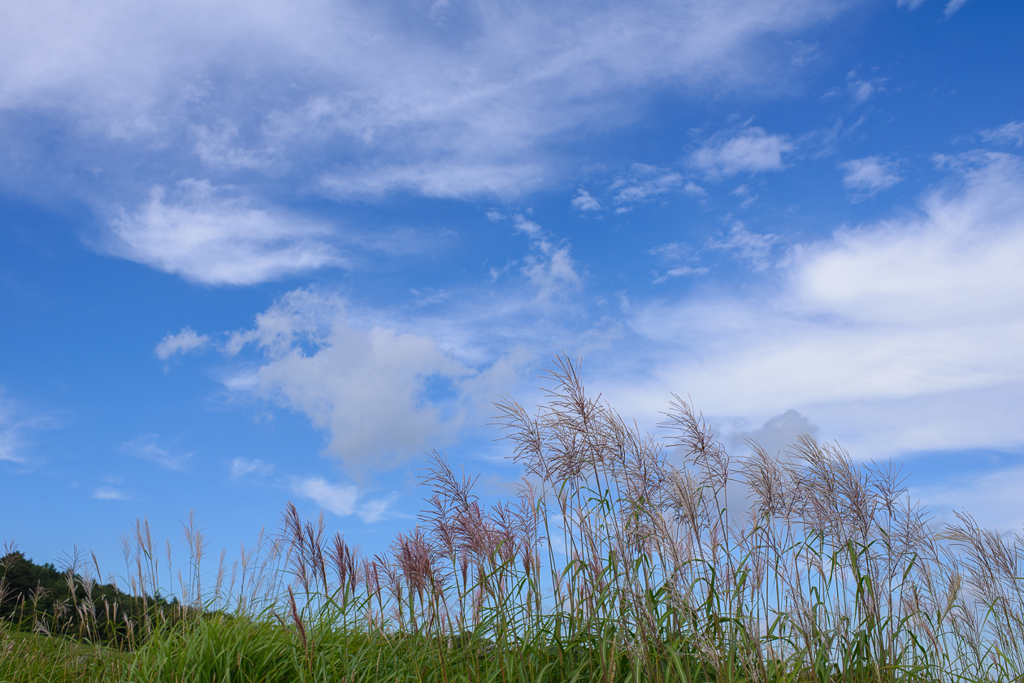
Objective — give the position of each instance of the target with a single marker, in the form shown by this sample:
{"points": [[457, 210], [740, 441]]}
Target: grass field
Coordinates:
{"points": [[615, 563]]}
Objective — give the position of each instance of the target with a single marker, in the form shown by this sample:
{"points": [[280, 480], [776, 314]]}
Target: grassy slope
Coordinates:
{"points": [[34, 658]]}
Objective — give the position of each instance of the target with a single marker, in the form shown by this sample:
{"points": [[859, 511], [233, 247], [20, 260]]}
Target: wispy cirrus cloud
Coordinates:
{"points": [[462, 104], [992, 498], [952, 6], [681, 260], [10, 431], [750, 246], [210, 236], [645, 181], [242, 467], [17, 422], [1011, 133], [147, 447]]}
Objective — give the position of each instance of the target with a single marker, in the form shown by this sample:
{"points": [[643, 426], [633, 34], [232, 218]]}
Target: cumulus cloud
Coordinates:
{"points": [[208, 236], [870, 174], [186, 341], [145, 447], [909, 326], [751, 150], [343, 500], [365, 385], [384, 386], [465, 106], [776, 434]]}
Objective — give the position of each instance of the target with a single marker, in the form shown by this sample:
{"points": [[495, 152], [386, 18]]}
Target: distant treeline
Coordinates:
{"points": [[42, 599]]}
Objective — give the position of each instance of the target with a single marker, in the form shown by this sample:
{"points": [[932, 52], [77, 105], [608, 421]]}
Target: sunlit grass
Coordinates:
{"points": [[35, 658], [618, 561]]}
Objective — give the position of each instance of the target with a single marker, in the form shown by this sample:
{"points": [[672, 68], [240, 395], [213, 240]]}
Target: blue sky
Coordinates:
{"points": [[253, 252]]}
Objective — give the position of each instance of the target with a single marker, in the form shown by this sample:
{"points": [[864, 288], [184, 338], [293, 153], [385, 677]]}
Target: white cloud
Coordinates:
{"points": [[861, 90], [343, 500], [108, 493], [1011, 133], [371, 511], [680, 271], [951, 7], [550, 268], [218, 149], [10, 437], [751, 150], [145, 447], [744, 192], [459, 180], [241, 467], [583, 201], [693, 189], [892, 336], [426, 299], [460, 107], [675, 252], [364, 385], [649, 181], [750, 246], [993, 499], [870, 174], [211, 238], [775, 435], [16, 422], [185, 341], [384, 386], [528, 227]]}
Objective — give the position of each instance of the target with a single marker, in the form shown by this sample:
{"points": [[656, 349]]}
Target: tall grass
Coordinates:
{"points": [[619, 560]]}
